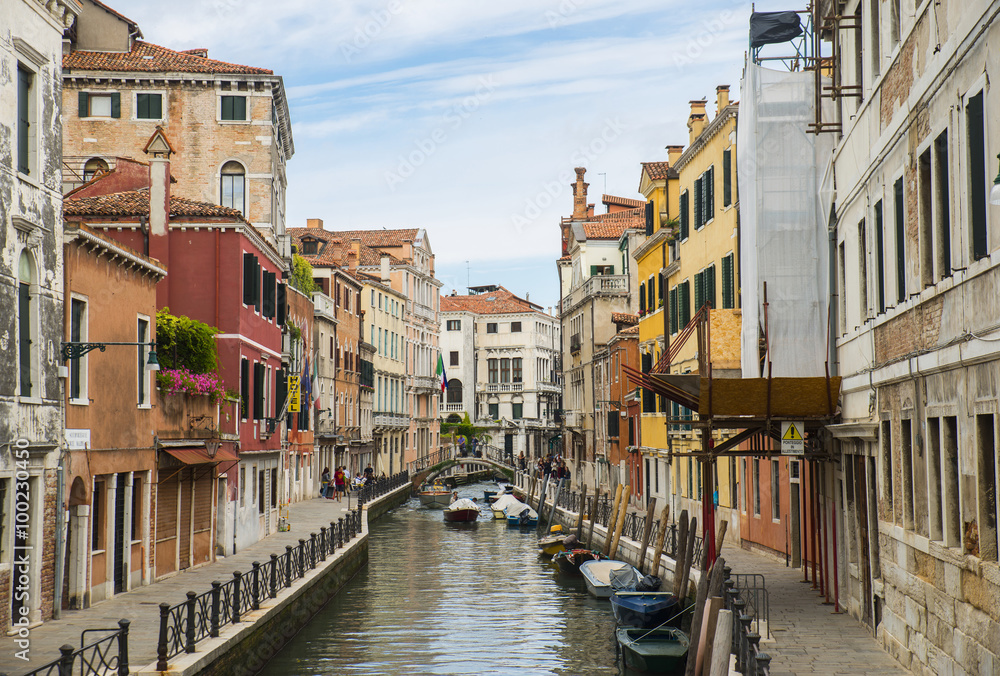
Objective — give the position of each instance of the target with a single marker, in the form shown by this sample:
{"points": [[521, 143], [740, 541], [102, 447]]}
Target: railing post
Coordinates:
{"points": [[123, 647], [237, 580], [274, 575], [322, 543], [66, 660], [763, 663], [161, 644], [189, 633], [312, 550], [289, 554], [333, 541], [216, 598], [340, 532], [302, 557], [255, 590]]}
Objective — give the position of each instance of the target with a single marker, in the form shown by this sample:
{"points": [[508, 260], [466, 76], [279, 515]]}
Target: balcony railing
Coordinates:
{"points": [[426, 382], [504, 387], [595, 285], [549, 387], [451, 408], [391, 420], [423, 311]]}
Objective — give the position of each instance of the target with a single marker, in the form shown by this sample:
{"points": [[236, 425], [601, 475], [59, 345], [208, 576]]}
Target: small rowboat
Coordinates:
{"points": [[657, 651], [522, 516], [646, 609], [599, 574], [462, 510], [569, 561]]}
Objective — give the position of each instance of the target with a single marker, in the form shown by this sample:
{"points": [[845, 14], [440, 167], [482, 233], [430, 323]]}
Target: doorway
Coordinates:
{"points": [[120, 535]]}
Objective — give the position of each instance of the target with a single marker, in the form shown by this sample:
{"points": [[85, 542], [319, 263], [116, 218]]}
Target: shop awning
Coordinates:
{"points": [[196, 452]]}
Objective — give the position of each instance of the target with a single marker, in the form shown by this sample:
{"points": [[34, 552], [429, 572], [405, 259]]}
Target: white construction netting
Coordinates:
{"points": [[784, 237]]}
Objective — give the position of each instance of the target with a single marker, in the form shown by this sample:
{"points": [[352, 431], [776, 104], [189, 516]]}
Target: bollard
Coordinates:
{"points": [[161, 644], [255, 588], [763, 663], [237, 578], [66, 660], [189, 634], [123, 647], [216, 598]]}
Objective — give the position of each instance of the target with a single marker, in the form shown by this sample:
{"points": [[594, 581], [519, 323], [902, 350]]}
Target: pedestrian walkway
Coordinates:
{"points": [[141, 605], [807, 636]]}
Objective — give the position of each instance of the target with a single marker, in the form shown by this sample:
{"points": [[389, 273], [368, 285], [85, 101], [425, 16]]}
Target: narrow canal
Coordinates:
{"points": [[440, 598]]}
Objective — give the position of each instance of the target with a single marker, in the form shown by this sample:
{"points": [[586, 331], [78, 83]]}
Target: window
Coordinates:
{"points": [[698, 203], [243, 481], [977, 174], [642, 298], [876, 48], [453, 357], [863, 270], [516, 411], [234, 108], [685, 209], [454, 391], [880, 256], [149, 106], [494, 411], [310, 247], [756, 487], [708, 196], [26, 137], [885, 439], [78, 366], [232, 186], [896, 20], [728, 283], [987, 485], [136, 532], [97, 517], [900, 241], [258, 391], [596, 270], [142, 375], [491, 328], [775, 490], [516, 369], [251, 280], [704, 287], [674, 313], [505, 370], [515, 327], [26, 323], [727, 177], [260, 489], [491, 365], [94, 167], [684, 302], [649, 218], [454, 325], [99, 105], [274, 487], [269, 288], [942, 207]]}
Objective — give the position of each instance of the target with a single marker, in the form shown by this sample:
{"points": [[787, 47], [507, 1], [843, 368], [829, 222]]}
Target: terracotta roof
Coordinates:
{"points": [[657, 170], [381, 237], [629, 331], [136, 203], [497, 302], [149, 58], [624, 318], [622, 201], [567, 257], [334, 252], [611, 226]]}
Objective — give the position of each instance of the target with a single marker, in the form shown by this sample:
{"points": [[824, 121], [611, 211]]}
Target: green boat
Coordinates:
{"points": [[655, 651]]}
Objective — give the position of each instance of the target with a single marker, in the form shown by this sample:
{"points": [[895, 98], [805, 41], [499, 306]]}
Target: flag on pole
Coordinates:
{"points": [[312, 385], [440, 372], [306, 391]]}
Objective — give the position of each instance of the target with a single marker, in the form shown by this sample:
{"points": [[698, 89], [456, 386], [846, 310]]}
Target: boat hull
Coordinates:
{"points": [[655, 651], [458, 515], [515, 522], [596, 575], [569, 561], [646, 609]]}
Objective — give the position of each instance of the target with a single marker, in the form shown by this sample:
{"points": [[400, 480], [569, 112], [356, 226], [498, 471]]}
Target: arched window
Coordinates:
{"points": [[25, 322], [93, 167], [454, 391], [233, 185]]}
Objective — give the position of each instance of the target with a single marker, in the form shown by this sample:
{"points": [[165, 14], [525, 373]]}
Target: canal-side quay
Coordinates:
{"points": [[239, 647]]}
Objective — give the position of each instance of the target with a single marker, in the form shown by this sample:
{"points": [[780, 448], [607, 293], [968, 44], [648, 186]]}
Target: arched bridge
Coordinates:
{"points": [[427, 468]]}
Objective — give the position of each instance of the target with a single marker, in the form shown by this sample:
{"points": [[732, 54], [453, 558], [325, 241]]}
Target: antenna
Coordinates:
{"points": [[468, 285]]}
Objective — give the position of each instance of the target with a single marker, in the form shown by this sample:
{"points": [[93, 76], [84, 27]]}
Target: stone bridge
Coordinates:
{"points": [[427, 469]]}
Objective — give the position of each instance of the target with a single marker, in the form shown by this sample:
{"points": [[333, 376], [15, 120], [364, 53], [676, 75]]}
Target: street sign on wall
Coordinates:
{"points": [[792, 439]]}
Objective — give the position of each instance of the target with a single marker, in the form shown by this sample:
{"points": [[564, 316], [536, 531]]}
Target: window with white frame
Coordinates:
{"points": [[142, 337], [78, 334]]}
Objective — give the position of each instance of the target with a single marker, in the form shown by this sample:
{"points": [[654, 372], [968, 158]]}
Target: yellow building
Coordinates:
{"points": [[694, 245]]}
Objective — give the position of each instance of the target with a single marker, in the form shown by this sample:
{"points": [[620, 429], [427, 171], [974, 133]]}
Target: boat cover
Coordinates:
{"points": [[504, 501], [519, 509], [625, 577], [462, 503]]}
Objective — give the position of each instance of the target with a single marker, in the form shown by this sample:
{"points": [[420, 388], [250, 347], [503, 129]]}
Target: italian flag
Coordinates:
{"points": [[440, 372]]}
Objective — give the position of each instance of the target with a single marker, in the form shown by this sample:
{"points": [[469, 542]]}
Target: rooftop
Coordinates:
{"points": [[146, 57], [135, 203], [497, 302]]}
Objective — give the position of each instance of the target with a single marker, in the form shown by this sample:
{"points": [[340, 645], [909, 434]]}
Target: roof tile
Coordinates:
{"points": [[136, 203], [497, 302], [146, 57]]}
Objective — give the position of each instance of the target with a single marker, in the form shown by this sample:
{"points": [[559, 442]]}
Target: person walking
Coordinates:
{"points": [[521, 462], [339, 483], [324, 483]]}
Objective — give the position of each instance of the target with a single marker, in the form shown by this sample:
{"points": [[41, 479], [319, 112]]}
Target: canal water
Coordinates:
{"points": [[439, 598]]}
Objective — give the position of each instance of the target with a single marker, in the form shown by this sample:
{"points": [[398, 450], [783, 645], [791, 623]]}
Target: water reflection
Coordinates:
{"points": [[462, 598]]}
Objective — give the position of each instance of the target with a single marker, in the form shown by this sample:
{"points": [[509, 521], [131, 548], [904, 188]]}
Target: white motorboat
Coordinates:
{"points": [[605, 577]]}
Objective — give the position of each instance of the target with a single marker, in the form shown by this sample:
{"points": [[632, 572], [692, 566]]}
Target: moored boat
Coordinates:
{"points": [[599, 576], [646, 609], [521, 515], [436, 497], [656, 651], [570, 560], [553, 543], [462, 509], [500, 505]]}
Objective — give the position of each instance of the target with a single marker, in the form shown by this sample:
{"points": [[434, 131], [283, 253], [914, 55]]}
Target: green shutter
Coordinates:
{"points": [[142, 106], [727, 183], [593, 270], [699, 291], [239, 108], [684, 301], [708, 281], [710, 194], [116, 104], [673, 310], [697, 204], [727, 282], [23, 120], [685, 214], [83, 109], [642, 297], [155, 106], [227, 107]]}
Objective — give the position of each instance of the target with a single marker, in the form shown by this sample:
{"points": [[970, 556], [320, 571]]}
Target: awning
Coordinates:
{"points": [[196, 453]]}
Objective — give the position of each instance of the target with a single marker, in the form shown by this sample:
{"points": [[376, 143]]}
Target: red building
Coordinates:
{"points": [[207, 248]]}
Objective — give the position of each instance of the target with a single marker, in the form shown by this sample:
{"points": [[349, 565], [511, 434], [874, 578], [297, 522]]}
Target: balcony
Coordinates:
{"points": [[451, 408], [424, 312], [185, 416], [554, 388], [426, 382], [495, 388], [385, 421], [596, 285], [574, 343]]}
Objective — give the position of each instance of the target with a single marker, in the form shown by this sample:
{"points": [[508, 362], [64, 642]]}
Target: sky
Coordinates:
{"points": [[467, 118]]}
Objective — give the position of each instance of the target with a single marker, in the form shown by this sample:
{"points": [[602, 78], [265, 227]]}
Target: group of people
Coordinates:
{"points": [[335, 487], [553, 465]]}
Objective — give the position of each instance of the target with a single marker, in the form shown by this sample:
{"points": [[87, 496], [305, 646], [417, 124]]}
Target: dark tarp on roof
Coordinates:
{"points": [[768, 28]]}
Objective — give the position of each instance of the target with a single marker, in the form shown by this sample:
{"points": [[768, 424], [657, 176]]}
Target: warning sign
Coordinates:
{"points": [[293, 394], [792, 442]]}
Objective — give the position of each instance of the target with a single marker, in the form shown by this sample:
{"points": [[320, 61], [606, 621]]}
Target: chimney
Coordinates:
{"points": [[590, 210], [385, 269], [354, 254], [673, 153], [159, 150], [316, 223], [696, 121], [580, 195], [721, 98]]}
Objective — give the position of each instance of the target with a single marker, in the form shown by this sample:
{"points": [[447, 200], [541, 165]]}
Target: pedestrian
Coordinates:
{"points": [[369, 472], [324, 482], [548, 465], [339, 483], [521, 462]]}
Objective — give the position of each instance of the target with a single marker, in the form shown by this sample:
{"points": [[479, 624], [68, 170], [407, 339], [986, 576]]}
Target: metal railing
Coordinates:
{"points": [[746, 596], [107, 655]]}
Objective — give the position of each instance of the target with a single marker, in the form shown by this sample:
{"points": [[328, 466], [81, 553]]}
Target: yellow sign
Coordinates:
{"points": [[293, 394], [792, 442], [792, 433]]}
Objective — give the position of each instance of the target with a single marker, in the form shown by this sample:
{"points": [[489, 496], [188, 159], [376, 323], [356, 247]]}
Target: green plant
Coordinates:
{"points": [[463, 429], [182, 381], [302, 275], [295, 331], [185, 343]]}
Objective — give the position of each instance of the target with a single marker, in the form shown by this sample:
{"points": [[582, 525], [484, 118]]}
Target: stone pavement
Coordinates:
{"points": [[807, 637], [140, 605]]}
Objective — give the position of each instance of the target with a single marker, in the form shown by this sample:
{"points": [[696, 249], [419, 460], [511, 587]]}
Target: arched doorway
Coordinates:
{"points": [[75, 594]]}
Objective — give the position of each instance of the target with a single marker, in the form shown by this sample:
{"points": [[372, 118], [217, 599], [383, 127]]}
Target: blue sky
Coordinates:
{"points": [[467, 118]]}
